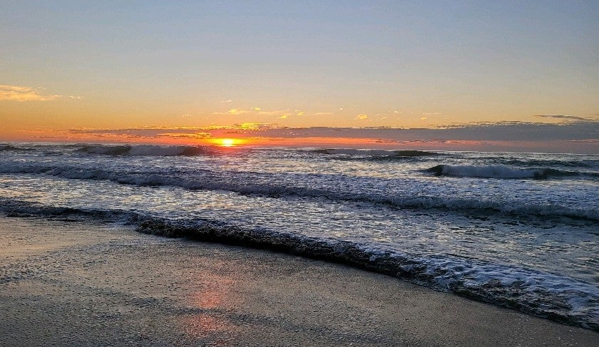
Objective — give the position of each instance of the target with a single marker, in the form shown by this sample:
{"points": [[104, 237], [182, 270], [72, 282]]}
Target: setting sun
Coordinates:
{"points": [[227, 142]]}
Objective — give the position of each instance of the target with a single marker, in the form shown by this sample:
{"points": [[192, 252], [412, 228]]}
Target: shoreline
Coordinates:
{"points": [[91, 284]]}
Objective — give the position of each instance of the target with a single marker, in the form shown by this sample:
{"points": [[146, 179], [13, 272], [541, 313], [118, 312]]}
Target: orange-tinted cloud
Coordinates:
{"points": [[22, 93], [273, 113]]}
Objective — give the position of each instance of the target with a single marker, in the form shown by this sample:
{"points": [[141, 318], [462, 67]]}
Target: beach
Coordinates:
{"points": [[66, 282]]}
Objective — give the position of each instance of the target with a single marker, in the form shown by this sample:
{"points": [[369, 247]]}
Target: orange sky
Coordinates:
{"points": [[109, 66]]}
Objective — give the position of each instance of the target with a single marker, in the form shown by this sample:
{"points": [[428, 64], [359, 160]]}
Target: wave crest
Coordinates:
{"points": [[492, 171], [256, 185], [373, 154], [145, 150]]}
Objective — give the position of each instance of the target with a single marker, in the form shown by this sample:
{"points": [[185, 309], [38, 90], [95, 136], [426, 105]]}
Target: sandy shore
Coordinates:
{"points": [[74, 284]]}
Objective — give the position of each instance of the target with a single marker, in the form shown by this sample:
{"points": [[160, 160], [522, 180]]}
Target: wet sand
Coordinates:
{"points": [[74, 284]]}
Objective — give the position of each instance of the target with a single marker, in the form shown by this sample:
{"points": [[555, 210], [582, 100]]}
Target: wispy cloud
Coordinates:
{"points": [[255, 111], [21, 94], [233, 111], [273, 113], [324, 113], [236, 111], [564, 117], [198, 135], [361, 116]]}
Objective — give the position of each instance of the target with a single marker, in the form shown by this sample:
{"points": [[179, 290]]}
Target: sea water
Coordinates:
{"points": [[518, 230]]}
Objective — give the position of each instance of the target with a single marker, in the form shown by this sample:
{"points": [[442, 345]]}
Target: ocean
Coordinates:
{"points": [[518, 230]]}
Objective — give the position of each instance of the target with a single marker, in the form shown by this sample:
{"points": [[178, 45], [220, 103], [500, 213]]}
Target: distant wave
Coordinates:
{"points": [[5, 147], [258, 184], [145, 150], [541, 294], [577, 163], [503, 172], [373, 153]]}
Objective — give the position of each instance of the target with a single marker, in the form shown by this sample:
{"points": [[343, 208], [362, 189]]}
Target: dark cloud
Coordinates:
{"points": [[585, 133]]}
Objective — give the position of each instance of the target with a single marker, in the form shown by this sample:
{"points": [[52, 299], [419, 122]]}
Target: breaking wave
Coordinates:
{"points": [[146, 150], [534, 292], [257, 184], [505, 172]]}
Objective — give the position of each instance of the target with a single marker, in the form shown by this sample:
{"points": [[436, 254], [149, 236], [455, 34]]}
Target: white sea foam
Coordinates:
{"points": [[318, 186]]}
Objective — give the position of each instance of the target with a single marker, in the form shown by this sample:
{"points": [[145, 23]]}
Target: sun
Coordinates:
{"points": [[227, 142]]}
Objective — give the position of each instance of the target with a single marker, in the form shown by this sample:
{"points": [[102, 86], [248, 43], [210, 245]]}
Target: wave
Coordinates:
{"points": [[533, 292], [492, 171], [145, 150], [505, 172], [564, 163], [374, 153], [258, 184], [5, 147]]}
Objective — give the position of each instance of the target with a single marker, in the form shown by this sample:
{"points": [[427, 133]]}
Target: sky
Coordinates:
{"points": [[70, 70]]}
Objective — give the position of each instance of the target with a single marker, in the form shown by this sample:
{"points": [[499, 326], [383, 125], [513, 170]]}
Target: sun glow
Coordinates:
{"points": [[227, 142]]}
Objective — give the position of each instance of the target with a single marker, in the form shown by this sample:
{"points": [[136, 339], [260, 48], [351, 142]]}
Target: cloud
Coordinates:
{"points": [[236, 111], [273, 113], [254, 110], [21, 94], [255, 126], [285, 116], [431, 114], [361, 116], [324, 113], [299, 113], [233, 111], [563, 117], [228, 101], [198, 135]]}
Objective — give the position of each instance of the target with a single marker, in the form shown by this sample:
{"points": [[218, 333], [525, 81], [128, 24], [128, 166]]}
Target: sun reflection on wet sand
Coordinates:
{"points": [[214, 301]]}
